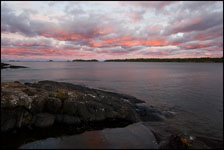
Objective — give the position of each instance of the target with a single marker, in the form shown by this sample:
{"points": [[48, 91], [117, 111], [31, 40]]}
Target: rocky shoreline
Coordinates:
{"points": [[44, 103], [5, 66], [32, 111]]}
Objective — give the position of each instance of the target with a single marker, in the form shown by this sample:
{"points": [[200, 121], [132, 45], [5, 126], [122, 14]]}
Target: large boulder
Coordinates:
{"points": [[39, 102], [70, 106], [53, 105]]}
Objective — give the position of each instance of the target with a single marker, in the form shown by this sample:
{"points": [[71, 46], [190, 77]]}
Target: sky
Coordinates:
{"points": [[67, 30]]}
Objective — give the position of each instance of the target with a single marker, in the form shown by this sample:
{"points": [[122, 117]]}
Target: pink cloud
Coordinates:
{"points": [[147, 27]]}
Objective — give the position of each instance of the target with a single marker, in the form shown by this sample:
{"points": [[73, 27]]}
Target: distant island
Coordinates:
{"points": [[203, 59], [14, 60], [50, 60], [81, 60]]}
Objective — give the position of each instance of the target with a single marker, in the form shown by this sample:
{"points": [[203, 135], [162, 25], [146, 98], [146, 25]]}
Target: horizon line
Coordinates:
{"points": [[12, 60]]}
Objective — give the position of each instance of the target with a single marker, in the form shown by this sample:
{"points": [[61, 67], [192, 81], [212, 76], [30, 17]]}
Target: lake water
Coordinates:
{"points": [[134, 136], [193, 90]]}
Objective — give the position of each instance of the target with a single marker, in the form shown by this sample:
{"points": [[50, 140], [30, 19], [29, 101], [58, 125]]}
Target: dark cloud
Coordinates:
{"points": [[149, 4], [10, 22], [197, 24]]}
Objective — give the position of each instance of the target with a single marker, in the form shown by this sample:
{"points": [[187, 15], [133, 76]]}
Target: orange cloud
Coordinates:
{"points": [[127, 41], [208, 54], [104, 31], [155, 43], [94, 44], [63, 36]]}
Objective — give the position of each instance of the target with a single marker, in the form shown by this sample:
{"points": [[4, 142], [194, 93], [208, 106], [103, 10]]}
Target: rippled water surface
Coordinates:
{"points": [[193, 90]]}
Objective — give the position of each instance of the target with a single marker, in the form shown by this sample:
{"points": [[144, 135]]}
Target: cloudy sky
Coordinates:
{"points": [[111, 30]]}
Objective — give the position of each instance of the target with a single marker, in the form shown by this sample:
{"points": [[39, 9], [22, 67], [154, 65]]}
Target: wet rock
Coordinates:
{"points": [[168, 114], [148, 113], [44, 120], [175, 142]]}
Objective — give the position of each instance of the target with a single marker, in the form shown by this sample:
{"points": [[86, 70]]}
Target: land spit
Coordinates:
{"points": [[5, 66]]}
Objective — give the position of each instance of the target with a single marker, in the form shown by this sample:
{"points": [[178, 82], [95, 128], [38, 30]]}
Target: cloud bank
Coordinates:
{"points": [[111, 30]]}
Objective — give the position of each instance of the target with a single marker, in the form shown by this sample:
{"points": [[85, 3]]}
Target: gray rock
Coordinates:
{"points": [[39, 103], [53, 105], [44, 120], [84, 113], [70, 106], [50, 102]]}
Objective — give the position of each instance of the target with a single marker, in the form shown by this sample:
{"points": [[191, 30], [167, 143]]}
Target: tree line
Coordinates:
{"points": [[203, 59]]}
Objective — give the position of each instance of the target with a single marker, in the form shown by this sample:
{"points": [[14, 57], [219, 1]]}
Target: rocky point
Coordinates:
{"points": [[45, 103]]}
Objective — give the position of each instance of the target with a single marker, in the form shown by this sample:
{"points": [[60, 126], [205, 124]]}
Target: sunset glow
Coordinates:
{"points": [[111, 30]]}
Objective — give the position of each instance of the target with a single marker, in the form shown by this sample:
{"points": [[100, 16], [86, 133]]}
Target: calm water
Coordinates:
{"points": [[193, 90], [134, 136]]}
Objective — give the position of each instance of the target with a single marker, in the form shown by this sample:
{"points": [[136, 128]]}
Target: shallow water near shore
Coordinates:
{"points": [[192, 90], [132, 136]]}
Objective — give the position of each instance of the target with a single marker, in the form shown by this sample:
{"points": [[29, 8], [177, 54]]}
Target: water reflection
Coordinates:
{"points": [[130, 137]]}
